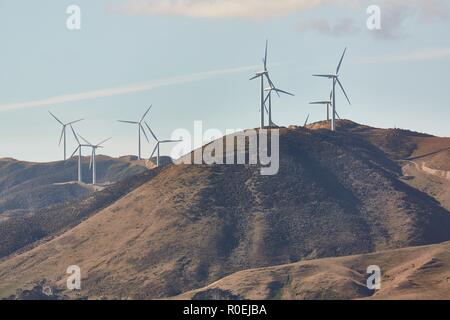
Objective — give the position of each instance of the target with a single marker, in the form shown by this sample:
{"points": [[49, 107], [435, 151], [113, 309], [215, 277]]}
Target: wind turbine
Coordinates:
{"points": [[92, 164], [261, 74], [159, 142], [328, 103], [335, 78], [140, 128], [63, 131], [269, 91], [80, 145]]}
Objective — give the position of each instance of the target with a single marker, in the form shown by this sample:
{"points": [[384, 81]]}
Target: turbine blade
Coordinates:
{"points": [[154, 150], [329, 76], [256, 76], [92, 158], [99, 144], [56, 118], [90, 144], [62, 133], [282, 91], [340, 62], [265, 56], [148, 127], [75, 135], [132, 122], [75, 152], [337, 115], [170, 141], [306, 122], [75, 121], [340, 85], [272, 86], [143, 131], [267, 98], [320, 102], [143, 117]]}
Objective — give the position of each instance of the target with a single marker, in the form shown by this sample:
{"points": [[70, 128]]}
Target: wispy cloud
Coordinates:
{"points": [[344, 27], [169, 81], [396, 14], [412, 56], [255, 9], [426, 10]]}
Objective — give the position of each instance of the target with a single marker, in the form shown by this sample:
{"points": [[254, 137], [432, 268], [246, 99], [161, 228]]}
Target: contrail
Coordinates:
{"points": [[163, 82]]}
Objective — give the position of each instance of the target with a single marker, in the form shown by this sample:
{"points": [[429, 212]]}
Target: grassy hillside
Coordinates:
{"points": [[26, 186], [336, 194], [410, 273]]}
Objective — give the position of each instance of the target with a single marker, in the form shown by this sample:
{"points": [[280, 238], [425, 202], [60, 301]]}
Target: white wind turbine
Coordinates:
{"points": [[92, 164], [335, 78], [328, 103], [63, 131], [269, 91], [140, 129], [261, 74], [159, 142], [80, 145]]}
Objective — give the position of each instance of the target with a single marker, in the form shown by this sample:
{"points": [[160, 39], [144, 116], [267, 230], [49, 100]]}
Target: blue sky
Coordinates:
{"points": [[192, 60]]}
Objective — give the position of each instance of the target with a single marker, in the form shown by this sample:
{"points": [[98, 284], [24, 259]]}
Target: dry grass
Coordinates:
{"points": [[336, 194], [410, 273]]}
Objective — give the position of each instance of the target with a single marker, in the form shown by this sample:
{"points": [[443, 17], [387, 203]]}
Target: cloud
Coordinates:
{"points": [[412, 56], [344, 27], [396, 14], [426, 10], [256, 9], [169, 81]]}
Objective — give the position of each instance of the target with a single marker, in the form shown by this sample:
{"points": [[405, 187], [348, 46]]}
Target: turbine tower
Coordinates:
{"points": [[269, 91], [335, 78], [159, 142], [262, 74], [80, 145], [92, 164], [63, 131], [140, 129]]}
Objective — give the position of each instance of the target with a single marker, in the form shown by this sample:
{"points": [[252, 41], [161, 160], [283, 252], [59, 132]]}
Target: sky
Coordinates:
{"points": [[192, 60]]}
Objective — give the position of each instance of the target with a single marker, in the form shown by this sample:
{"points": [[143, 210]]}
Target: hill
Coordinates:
{"points": [[336, 194], [409, 273], [21, 232], [26, 186]]}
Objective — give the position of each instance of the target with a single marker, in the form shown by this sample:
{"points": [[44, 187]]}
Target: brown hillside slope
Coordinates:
{"points": [[26, 186], [336, 194], [410, 273], [425, 159]]}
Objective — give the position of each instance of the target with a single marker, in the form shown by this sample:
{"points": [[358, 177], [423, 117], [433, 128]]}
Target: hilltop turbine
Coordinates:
{"points": [[328, 103], [159, 142], [269, 91], [63, 131], [80, 145], [335, 78], [92, 164], [140, 129], [262, 74]]}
